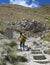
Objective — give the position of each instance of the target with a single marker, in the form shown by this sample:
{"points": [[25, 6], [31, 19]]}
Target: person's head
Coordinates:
{"points": [[20, 33]]}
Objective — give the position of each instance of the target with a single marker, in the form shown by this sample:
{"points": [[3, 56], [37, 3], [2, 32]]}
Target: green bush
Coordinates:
{"points": [[11, 56], [47, 51], [12, 43], [4, 62], [10, 51]]}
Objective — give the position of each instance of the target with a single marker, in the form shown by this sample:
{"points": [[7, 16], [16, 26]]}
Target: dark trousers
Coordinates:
{"points": [[22, 44]]}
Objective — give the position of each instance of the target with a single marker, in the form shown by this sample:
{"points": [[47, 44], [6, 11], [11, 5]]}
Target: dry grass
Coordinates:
{"points": [[11, 12], [46, 36]]}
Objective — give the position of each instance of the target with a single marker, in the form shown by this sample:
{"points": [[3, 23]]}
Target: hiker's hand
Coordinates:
{"points": [[18, 39]]}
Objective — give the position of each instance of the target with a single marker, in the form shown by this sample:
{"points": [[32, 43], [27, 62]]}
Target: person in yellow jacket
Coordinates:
{"points": [[22, 39]]}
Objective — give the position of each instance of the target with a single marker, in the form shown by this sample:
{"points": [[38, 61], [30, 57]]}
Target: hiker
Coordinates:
{"points": [[22, 39]]}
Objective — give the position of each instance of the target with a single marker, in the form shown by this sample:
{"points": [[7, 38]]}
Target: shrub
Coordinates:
{"points": [[4, 62], [12, 56], [21, 59], [47, 51], [12, 43]]}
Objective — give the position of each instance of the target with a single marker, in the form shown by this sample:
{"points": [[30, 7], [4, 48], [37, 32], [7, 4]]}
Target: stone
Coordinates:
{"points": [[34, 26], [9, 33]]}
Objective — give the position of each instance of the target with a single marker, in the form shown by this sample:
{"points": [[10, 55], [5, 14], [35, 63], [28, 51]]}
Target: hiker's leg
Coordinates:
{"points": [[21, 45]]}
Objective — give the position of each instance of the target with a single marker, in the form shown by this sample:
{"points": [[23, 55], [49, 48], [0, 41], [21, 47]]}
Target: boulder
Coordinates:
{"points": [[32, 26]]}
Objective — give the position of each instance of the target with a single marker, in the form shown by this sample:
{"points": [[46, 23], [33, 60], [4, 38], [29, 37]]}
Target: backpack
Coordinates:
{"points": [[23, 37]]}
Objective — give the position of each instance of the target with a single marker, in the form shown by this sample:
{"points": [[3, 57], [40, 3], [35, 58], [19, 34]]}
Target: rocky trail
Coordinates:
{"points": [[35, 55]]}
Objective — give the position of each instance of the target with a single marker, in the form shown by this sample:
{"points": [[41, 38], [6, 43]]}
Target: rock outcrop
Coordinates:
{"points": [[31, 26]]}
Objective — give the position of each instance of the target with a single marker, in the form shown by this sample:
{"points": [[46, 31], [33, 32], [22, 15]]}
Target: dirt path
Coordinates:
{"points": [[36, 51]]}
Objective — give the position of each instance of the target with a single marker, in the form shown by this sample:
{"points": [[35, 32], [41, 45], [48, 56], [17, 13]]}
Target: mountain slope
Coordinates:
{"points": [[9, 12]]}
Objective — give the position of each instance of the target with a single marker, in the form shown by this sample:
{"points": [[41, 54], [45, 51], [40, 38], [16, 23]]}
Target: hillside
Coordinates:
{"points": [[34, 23], [11, 12]]}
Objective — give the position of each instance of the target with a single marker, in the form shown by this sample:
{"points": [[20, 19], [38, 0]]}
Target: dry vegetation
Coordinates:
{"points": [[11, 12], [46, 36], [9, 54]]}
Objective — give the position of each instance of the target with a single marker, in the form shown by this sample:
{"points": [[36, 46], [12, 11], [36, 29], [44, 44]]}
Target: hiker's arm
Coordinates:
{"points": [[18, 38], [25, 36]]}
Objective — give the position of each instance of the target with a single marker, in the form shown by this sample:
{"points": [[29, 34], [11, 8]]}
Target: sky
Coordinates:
{"points": [[27, 3]]}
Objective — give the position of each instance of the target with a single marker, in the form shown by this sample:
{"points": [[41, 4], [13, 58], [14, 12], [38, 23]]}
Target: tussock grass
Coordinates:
{"points": [[46, 36]]}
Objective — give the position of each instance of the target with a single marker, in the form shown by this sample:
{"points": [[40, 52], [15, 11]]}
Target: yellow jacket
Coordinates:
{"points": [[22, 37]]}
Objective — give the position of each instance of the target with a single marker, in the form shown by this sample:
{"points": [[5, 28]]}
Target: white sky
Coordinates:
{"points": [[23, 2]]}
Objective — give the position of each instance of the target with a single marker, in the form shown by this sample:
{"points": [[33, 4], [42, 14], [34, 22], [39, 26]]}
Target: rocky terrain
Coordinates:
{"points": [[10, 12], [35, 23], [37, 51], [26, 25]]}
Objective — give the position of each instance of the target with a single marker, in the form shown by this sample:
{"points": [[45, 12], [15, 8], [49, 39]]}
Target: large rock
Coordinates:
{"points": [[25, 25], [30, 25]]}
